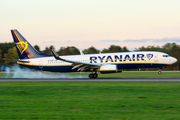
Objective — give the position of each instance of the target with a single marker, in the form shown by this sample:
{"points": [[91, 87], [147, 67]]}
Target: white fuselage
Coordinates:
{"points": [[123, 60]]}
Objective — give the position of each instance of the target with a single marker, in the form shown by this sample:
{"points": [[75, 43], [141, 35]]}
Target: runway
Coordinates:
{"points": [[91, 80]]}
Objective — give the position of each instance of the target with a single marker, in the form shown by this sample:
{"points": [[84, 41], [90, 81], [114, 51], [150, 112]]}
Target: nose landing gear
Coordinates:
{"points": [[93, 75], [159, 72]]}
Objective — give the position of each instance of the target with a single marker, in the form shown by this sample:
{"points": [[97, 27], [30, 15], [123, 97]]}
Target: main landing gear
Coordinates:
{"points": [[93, 75]]}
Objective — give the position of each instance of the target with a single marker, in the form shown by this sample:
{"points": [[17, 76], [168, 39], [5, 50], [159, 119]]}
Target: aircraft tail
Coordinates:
{"points": [[24, 48]]}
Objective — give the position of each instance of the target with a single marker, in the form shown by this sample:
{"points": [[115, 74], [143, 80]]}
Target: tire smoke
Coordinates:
{"points": [[17, 72]]}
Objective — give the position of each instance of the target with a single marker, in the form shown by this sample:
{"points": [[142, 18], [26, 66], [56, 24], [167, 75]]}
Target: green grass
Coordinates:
{"points": [[141, 74], [124, 74], [93, 101]]}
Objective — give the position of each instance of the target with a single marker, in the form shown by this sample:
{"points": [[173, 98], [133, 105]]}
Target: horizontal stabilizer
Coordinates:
{"points": [[24, 61], [10, 59]]}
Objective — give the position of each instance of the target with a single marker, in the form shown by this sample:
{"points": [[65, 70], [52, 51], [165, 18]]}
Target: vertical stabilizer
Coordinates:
{"points": [[24, 48]]}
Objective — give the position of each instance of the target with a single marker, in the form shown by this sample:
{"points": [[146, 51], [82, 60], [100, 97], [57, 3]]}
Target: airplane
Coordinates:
{"points": [[93, 63]]}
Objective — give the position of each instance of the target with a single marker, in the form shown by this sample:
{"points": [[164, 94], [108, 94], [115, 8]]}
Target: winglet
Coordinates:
{"points": [[56, 56], [81, 52]]}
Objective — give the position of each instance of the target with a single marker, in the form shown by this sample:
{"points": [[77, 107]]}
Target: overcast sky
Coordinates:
{"points": [[85, 23]]}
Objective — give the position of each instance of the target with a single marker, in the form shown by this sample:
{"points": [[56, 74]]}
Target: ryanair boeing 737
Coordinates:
{"points": [[103, 63]]}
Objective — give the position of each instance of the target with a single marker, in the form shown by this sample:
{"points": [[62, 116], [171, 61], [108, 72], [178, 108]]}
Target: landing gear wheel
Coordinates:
{"points": [[159, 72], [91, 76], [95, 75]]}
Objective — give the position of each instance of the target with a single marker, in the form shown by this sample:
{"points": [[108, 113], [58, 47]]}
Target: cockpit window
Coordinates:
{"points": [[165, 55]]}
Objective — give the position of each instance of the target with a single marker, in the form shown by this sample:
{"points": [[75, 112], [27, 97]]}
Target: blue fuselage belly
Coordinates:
{"points": [[135, 66]]}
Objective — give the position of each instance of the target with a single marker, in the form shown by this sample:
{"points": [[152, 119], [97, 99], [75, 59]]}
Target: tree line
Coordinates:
{"points": [[8, 50]]}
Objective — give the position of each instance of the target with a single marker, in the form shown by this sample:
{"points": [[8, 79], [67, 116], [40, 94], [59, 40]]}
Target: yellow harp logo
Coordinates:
{"points": [[22, 46]]}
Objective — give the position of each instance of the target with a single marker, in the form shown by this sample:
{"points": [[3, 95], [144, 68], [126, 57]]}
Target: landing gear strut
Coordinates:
{"points": [[93, 75], [159, 72]]}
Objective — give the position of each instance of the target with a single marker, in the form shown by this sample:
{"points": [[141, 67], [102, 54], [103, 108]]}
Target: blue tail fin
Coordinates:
{"points": [[24, 48]]}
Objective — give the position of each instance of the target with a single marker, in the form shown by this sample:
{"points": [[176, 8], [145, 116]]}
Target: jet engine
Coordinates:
{"points": [[108, 69]]}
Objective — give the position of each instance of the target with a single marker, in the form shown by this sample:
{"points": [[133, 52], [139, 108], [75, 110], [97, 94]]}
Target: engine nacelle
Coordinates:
{"points": [[108, 69]]}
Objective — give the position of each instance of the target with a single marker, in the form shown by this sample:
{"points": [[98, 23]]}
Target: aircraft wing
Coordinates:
{"points": [[81, 65]]}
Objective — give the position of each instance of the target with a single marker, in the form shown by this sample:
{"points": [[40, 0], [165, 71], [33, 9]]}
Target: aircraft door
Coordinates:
{"points": [[41, 64]]}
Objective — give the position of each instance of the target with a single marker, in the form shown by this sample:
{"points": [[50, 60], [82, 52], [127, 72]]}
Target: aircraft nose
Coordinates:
{"points": [[173, 60]]}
